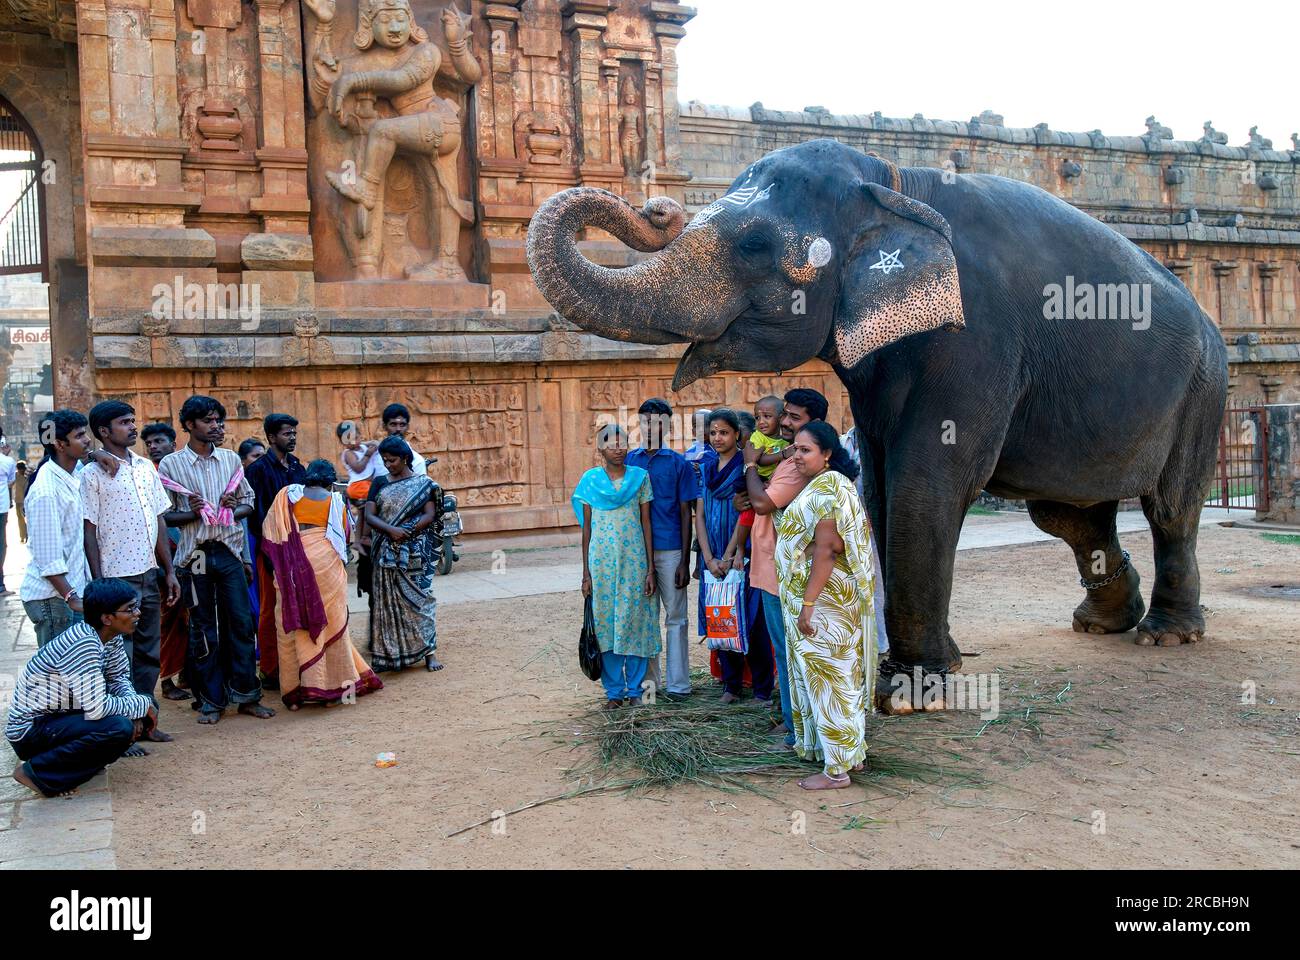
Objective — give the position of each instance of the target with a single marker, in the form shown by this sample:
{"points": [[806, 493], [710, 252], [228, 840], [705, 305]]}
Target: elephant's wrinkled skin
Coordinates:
{"points": [[1071, 415]]}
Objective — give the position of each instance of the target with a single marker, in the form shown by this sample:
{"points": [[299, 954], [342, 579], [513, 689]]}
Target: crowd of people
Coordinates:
{"points": [[771, 496], [221, 573]]}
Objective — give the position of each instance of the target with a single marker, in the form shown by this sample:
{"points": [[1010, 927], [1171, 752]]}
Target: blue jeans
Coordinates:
{"points": [[775, 619], [64, 750], [50, 617], [622, 675]]}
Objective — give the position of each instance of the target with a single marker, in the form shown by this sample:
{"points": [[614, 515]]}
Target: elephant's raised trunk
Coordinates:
{"points": [[686, 293]]}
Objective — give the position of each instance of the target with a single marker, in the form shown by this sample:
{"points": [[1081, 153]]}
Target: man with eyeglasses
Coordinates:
{"points": [[74, 708]]}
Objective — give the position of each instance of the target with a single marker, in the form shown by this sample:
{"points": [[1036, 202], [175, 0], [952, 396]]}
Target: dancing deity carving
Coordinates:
{"points": [[382, 93]]}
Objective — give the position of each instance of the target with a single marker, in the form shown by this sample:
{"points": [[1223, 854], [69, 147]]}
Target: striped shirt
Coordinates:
{"points": [[75, 671], [124, 509], [208, 477], [54, 534]]}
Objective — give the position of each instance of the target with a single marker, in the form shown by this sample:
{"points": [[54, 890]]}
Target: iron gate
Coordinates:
{"points": [[1241, 474], [22, 223]]}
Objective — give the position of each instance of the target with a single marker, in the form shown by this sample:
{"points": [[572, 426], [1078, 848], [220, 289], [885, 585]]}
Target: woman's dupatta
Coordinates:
{"points": [[299, 599]]}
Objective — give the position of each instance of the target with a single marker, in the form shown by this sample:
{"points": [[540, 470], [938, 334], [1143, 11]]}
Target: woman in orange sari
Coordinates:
{"points": [[305, 534]]}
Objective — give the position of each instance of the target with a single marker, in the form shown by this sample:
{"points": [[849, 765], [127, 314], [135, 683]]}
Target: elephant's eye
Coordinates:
{"points": [[754, 243]]}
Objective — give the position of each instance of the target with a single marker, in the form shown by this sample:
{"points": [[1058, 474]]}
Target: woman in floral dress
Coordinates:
{"points": [[823, 558], [612, 502]]}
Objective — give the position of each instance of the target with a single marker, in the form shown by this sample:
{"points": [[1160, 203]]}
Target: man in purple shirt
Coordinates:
{"points": [[676, 487]]}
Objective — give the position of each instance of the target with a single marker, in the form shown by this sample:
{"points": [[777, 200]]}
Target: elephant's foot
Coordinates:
{"points": [[901, 706], [1168, 629], [1116, 608], [903, 689]]}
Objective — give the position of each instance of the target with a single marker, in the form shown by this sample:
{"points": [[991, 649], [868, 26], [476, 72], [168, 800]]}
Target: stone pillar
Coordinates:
{"points": [[670, 20], [654, 109], [585, 22], [1223, 271], [610, 83], [1282, 437], [1267, 271], [280, 260], [497, 136], [135, 194]]}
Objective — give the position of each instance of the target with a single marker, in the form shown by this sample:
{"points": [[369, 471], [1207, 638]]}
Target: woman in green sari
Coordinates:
{"points": [[823, 559]]}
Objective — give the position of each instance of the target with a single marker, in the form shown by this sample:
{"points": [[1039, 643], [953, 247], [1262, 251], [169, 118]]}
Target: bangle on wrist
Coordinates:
{"points": [[809, 603], [69, 595]]}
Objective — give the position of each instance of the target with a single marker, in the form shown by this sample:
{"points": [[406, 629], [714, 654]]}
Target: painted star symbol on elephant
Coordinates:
{"points": [[888, 262]]}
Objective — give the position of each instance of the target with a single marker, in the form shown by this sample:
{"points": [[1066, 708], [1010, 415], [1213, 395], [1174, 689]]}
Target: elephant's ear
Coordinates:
{"points": [[901, 278]]}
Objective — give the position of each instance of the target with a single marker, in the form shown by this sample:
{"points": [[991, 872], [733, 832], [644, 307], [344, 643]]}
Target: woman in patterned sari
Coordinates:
{"points": [[305, 534], [403, 553], [823, 558]]}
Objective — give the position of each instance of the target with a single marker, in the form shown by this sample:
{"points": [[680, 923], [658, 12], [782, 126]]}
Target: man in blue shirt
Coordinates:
{"points": [[675, 488]]}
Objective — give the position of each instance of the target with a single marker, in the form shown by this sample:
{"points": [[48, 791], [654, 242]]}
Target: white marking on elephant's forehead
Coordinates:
{"points": [[737, 198], [888, 263], [819, 252]]}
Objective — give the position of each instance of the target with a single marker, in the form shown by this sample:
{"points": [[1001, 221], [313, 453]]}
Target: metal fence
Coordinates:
{"points": [[1241, 474]]}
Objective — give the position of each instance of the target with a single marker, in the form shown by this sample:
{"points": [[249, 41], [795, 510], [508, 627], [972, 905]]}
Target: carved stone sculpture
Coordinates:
{"points": [[630, 130], [1256, 142], [381, 93], [1157, 130], [1213, 136]]}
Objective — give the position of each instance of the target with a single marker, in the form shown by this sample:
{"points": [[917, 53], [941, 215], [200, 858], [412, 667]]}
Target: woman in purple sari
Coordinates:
{"points": [[722, 471]]}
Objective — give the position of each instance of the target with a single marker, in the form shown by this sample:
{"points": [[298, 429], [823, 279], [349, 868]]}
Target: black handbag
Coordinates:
{"points": [[588, 647]]}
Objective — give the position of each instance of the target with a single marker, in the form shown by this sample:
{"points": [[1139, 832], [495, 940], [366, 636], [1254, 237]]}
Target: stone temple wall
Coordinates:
{"points": [[1224, 219], [232, 224]]}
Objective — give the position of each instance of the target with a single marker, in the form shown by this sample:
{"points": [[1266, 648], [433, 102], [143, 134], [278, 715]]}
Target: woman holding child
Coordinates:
{"points": [[823, 559], [401, 520], [612, 502], [722, 548]]}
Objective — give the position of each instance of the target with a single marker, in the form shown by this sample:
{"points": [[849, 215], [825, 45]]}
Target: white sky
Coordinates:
{"points": [[1075, 65]]}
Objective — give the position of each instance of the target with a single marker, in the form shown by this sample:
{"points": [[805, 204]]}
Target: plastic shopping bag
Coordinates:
{"points": [[724, 611]]}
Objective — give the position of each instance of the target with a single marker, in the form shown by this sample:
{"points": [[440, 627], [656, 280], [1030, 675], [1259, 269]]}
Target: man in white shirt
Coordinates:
{"points": [[57, 574], [397, 420], [126, 539], [8, 474]]}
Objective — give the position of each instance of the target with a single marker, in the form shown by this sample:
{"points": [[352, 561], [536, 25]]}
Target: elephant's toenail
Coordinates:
{"points": [[1145, 640]]}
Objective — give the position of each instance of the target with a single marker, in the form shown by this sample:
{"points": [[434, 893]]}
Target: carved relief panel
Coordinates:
{"points": [[388, 84], [477, 432]]}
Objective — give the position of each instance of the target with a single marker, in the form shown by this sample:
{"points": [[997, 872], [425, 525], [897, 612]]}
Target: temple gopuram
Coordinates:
{"points": [[319, 207]]}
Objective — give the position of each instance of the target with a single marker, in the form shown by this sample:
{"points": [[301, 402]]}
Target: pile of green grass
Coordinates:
{"points": [[699, 740]]}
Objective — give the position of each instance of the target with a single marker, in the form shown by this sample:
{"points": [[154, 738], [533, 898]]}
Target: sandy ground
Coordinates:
{"points": [[1156, 740]]}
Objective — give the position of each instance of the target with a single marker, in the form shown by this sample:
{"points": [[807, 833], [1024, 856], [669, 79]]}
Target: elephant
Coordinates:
{"points": [[990, 337]]}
